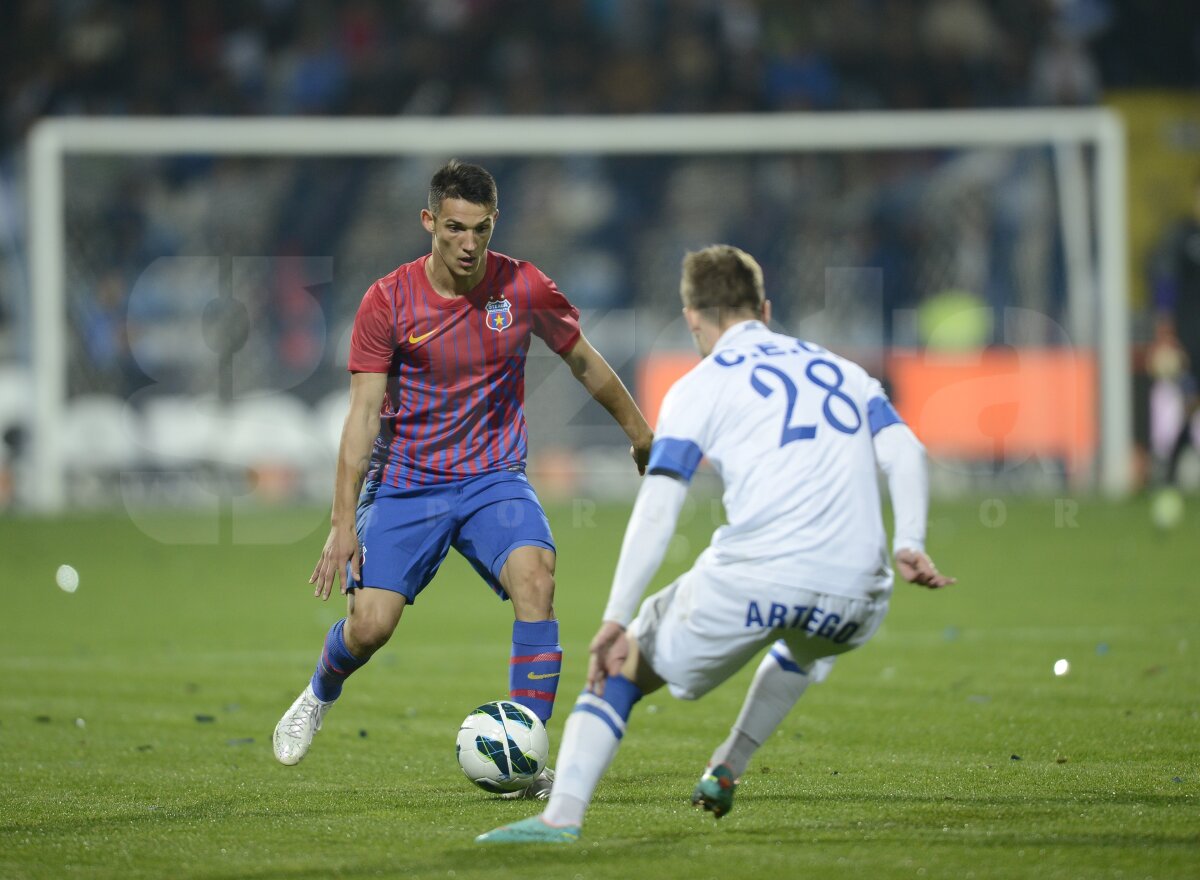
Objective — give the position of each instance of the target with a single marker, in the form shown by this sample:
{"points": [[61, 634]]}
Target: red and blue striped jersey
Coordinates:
{"points": [[454, 406]]}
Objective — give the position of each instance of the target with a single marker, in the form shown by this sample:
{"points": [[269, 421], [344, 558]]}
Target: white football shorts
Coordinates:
{"points": [[704, 627]]}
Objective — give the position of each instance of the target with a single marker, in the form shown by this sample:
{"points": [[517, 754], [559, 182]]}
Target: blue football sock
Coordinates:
{"points": [[535, 666], [614, 707], [335, 665]]}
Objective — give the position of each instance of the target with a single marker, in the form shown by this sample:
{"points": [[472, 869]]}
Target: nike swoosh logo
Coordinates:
{"points": [[413, 339], [536, 675]]}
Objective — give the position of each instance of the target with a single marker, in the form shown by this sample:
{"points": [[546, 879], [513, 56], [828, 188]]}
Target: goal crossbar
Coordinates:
{"points": [[53, 139]]}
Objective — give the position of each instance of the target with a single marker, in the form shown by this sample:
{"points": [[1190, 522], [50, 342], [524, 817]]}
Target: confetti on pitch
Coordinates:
{"points": [[206, 719], [1014, 757]]}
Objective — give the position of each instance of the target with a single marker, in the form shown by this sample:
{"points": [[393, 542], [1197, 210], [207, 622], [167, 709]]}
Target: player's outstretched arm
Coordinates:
{"points": [[354, 454], [902, 458], [651, 526], [594, 373]]}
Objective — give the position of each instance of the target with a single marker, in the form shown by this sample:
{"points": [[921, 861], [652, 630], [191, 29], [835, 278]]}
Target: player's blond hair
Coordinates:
{"points": [[722, 278]]}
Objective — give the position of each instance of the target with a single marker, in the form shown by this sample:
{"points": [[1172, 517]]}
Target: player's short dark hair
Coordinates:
{"points": [[461, 180], [722, 277]]}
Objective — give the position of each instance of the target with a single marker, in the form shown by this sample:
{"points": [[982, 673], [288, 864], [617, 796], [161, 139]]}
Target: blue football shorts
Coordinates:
{"points": [[405, 533]]}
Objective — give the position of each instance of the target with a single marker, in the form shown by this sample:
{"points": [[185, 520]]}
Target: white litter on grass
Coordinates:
{"points": [[67, 578], [1061, 667]]}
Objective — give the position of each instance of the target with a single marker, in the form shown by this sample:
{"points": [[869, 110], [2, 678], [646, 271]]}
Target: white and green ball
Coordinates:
{"points": [[502, 746]]}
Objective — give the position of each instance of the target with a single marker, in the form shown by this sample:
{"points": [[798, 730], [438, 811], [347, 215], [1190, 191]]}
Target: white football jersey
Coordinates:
{"points": [[788, 426]]}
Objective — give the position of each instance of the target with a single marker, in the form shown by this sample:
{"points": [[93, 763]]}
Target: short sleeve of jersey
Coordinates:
{"points": [[555, 320], [880, 412], [373, 340], [682, 433]]}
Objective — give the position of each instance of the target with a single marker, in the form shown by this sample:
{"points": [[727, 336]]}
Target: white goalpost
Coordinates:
{"points": [[1091, 194]]}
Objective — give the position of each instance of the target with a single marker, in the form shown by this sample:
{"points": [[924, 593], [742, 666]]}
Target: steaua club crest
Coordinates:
{"points": [[499, 314]]}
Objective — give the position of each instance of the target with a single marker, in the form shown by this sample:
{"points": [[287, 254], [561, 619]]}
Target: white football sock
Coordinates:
{"points": [[588, 747], [771, 696]]}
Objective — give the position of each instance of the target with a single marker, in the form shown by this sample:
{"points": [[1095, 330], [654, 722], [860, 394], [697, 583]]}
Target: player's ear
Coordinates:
{"points": [[428, 220], [692, 318]]}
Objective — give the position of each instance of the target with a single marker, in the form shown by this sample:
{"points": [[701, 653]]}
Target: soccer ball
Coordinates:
{"points": [[502, 746]]}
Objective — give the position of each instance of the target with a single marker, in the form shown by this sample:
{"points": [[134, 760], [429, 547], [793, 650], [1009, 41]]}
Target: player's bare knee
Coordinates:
{"points": [[532, 595], [638, 669], [371, 618], [538, 597], [528, 578], [541, 588], [365, 635]]}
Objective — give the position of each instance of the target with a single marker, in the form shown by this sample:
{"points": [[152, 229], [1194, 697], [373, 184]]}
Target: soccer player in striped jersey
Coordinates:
{"points": [[433, 449], [796, 434]]}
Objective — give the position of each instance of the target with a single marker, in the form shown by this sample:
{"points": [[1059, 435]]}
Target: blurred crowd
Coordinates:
{"points": [[576, 56], [609, 230]]}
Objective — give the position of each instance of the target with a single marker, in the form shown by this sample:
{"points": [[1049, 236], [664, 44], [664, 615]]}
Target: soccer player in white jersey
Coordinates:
{"points": [[796, 434]]}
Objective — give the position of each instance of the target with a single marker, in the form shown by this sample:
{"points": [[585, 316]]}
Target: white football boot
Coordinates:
{"points": [[295, 730], [538, 790]]}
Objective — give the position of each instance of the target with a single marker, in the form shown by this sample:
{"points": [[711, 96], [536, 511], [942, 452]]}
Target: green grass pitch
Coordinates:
{"points": [[136, 714]]}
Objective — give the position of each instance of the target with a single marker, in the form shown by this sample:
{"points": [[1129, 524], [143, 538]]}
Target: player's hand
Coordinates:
{"points": [[341, 548], [640, 453], [917, 568], [608, 652]]}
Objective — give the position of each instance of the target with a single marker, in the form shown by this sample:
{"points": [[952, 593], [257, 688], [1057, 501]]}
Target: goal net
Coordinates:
{"points": [[194, 283]]}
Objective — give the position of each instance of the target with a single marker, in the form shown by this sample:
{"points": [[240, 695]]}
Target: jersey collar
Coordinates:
{"points": [[472, 297], [737, 330]]}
